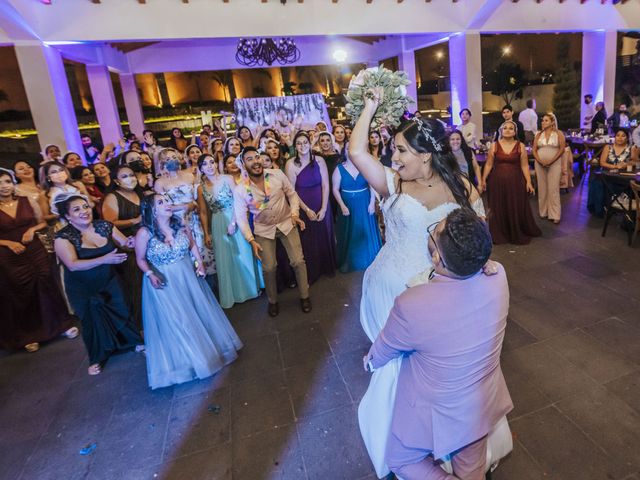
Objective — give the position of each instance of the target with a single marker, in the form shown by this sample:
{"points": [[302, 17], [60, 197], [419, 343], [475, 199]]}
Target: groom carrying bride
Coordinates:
{"points": [[451, 392]]}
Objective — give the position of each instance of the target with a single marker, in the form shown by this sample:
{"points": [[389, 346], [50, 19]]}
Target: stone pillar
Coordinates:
{"points": [[407, 63], [465, 67], [105, 103], [132, 103], [47, 89], [599, 68]]}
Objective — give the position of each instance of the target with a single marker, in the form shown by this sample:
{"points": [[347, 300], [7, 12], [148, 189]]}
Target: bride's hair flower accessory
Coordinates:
{"points": [[394, 100], [425, 129]]}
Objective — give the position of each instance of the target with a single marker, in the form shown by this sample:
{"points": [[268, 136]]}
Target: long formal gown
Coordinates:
{"points": [[358, 234], [318, 241], [187, 334], [35, 310], [404, 256], [239, 278], [510, 217], [131, 274], [97, 298], [186, 193]]}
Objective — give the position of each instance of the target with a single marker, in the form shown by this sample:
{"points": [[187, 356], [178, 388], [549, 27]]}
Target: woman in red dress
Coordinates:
{"points": [[507, 181], [37, 311]]}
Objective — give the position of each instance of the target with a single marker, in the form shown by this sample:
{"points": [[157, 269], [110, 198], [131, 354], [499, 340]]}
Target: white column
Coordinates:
{"points": [[599, 68], [407, 63], [47, 89], [105, 103], [132, 103], [465, 68]]}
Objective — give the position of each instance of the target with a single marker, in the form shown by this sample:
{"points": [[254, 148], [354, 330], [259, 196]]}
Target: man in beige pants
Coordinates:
{"points": [[270, 197]]}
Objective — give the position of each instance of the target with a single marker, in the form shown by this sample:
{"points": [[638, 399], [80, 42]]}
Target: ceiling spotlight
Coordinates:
{"points": [[339, 56], [439, 54], [506, 50]]}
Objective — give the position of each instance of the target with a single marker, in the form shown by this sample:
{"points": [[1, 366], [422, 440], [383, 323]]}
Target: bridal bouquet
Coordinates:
{"points": [[394, 101]]}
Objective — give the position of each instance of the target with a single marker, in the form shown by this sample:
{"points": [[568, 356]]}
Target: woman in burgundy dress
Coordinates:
{"points": [[507, 181], [308, 174], [37, 311]]}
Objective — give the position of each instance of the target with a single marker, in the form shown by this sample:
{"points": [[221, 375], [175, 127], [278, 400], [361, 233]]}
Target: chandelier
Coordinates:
{"points": [[253, 52]]}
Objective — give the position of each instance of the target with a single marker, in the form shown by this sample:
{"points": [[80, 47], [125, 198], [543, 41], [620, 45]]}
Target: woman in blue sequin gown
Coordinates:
{"points": [[187, 334], [239, 278]]}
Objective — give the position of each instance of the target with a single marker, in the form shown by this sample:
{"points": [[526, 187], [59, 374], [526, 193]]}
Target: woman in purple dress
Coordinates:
{"points": [[308, 174]]}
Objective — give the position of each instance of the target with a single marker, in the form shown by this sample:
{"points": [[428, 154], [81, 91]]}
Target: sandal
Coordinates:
{"points": [[95, 369], [32, 347], [73, 332]]}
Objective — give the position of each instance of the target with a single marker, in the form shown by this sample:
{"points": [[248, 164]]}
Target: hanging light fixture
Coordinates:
{"points": [[253, 52]]}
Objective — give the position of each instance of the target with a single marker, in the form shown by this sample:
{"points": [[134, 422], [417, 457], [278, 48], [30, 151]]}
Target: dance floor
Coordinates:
{"points": [[286, 409]]}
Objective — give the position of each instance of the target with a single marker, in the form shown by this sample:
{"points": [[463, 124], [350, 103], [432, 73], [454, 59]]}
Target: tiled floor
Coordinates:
{"points": [[287, 408]]}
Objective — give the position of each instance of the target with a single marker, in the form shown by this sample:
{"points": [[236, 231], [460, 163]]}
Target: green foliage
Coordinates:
{"points": [[394, 99], [507, 81], [566, 91]]}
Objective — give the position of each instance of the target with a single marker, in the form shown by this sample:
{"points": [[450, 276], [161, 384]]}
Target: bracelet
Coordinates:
{"points": [[148, 273]]}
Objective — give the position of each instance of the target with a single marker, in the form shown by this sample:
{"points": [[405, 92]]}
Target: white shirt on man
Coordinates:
{"points": [[529, 119], [589, 112], [469, 133]]}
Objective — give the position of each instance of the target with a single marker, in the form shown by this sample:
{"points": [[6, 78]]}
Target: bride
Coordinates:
{"points": [[426, 186]]}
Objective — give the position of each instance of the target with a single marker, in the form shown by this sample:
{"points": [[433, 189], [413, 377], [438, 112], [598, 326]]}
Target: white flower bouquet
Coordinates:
{"points": [[394, 101]]}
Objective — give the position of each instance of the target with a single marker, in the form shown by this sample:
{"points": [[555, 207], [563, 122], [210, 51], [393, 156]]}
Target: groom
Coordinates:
{"points": [[270, 198], [451, 392]]}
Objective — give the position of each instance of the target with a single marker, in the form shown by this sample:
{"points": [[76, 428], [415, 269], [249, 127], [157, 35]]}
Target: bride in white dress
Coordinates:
{"points": [[426, 186]]}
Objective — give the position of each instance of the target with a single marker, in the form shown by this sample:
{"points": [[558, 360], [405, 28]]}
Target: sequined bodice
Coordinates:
{"points": [[220, 200], [183, 193], [406, 220], [160, 253]]}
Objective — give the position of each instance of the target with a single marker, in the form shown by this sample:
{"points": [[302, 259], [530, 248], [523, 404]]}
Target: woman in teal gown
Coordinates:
{"points": [[239, 278], [357, 232], [187, 334]]}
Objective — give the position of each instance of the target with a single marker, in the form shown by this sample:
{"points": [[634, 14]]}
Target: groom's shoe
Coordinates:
{"points": [[273, 309], [305, 303]]}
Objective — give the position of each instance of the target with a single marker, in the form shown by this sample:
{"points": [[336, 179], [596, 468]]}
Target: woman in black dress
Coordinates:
{"points": [[87, 248], [122, 208], [36, 311]]}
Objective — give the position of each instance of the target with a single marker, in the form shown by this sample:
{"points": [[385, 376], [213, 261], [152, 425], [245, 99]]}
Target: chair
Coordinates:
{"points": [[616, 204], [635, 188]]}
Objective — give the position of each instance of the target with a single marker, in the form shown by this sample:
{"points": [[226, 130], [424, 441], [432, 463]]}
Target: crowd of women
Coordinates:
{"points": [[138, 239]]}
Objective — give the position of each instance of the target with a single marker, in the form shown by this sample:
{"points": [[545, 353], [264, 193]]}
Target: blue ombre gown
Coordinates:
{"points": [[358, 234], [239, 277], [187, 335]]}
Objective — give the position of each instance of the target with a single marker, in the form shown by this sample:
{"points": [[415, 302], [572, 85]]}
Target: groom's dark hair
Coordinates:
{"points": [[247, 150], [465, 242]]}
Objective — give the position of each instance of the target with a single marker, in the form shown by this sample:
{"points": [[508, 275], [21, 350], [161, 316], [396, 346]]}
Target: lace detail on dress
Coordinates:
{"points": [[161, 253], [478, 207], [74, 236], [183, 193], [223, 200], [391, 180]]}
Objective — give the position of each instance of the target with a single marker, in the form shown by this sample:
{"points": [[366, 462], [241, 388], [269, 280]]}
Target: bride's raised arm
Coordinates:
{"points": [[370, 168]]}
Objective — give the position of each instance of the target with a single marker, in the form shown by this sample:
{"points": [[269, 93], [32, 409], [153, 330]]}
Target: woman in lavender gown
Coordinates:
{"points": [[308, 174]]}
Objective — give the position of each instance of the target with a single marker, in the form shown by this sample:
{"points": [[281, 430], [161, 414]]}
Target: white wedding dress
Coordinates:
{"points": [[404, 255]]}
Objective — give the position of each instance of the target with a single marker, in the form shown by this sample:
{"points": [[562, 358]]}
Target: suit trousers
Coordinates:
{"points": [[292, 245], [468, 464]]}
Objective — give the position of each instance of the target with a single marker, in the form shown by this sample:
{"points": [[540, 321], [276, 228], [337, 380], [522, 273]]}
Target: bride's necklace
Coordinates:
{"points": [[429, 183]]}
